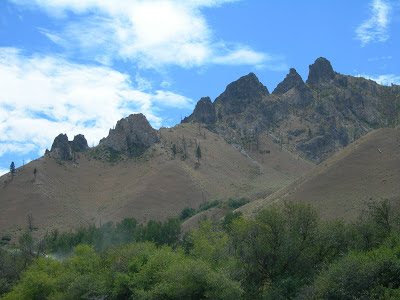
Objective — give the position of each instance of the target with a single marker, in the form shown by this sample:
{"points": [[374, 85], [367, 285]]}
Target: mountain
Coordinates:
{"points": [[254, 144], [110, 182], [366, 170], [313, 119]]}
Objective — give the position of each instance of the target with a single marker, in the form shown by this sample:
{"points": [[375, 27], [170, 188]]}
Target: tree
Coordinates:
{"points": [[12, 169], [34, 172], [198, 153], [30, 222], [174, 151]]}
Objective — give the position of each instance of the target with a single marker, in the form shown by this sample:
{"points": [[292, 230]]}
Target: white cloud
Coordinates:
{"points": [[242, 56], [375, 29], [386, 79], [43, 96], [153, 34], [380, 58], [3, 171]]}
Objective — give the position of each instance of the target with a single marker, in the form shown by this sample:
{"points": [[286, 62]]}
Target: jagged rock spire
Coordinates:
{"points": [[131, 135], [204, 112], [321, 71], [238, 94], [293, 79]]}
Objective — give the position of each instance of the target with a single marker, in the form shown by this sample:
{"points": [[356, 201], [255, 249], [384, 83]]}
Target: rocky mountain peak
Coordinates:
{"points": [[321, 71], [131, 136], [79, 143], [293, 79], [238, 94], [204, 112], [63, 149], [60, 148]]}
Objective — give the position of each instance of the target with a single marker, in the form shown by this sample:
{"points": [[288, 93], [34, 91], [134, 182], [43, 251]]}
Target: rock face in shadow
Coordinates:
{"points": [[292, 80], [63, 149], [204, 112], [79, 143], [321, 71], [131, 136], [313, 119], [238, 95]]}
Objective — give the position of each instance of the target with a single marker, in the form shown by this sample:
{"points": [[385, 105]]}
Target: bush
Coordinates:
{"points": [[186, 213], [233, 204], [207, 205], [361, 275], [136, 271]]}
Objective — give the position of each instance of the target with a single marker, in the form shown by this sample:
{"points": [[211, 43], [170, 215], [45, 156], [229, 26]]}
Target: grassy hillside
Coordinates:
{"points": [[68, 194], [366, 170]]}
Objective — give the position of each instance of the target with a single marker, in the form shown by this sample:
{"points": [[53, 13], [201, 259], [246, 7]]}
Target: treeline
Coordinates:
{"points": [[108, 235], [285, 252], [231, 204]]}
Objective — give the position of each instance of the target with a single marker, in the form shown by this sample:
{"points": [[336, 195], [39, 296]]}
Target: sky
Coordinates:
{"points": [[78, 66]]}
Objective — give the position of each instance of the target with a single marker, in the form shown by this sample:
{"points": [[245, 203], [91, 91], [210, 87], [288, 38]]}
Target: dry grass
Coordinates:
{"points": [[366, 170], [67, 195]]}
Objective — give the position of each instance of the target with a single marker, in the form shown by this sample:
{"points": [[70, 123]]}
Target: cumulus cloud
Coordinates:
{"points": [[42, 96], [375, 29], [152, 34]]}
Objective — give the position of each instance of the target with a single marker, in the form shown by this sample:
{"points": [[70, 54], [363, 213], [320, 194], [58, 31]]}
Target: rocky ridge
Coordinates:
{"points": [[131, 136], [204, 112], [314, 119], [64, 149]]}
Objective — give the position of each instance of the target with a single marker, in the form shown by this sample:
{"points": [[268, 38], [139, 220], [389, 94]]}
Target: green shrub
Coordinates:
{"points": [[207, 205], [233, 204], [186, 213]]}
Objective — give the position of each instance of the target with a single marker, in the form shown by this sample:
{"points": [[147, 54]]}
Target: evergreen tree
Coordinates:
{"points": [[173, 148], [12, 169], [198, 153]]}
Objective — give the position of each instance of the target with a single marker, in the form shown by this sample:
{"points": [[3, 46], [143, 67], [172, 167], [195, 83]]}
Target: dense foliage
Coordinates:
{"points": [[285, 252], [108, 235]]}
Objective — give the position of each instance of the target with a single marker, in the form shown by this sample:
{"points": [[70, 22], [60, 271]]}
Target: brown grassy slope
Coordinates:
{"points": [[67, 195], [341, 186]]}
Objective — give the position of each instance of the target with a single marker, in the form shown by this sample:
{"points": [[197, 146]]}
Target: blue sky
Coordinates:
{"points": [[78, 66]]}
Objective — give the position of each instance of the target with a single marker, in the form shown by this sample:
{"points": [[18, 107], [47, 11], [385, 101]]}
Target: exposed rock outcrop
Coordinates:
{"points": [[321, 71], [292, 80], [314, 119], [79, 143], [238, 95], [131, 136], [61, 148], [204, 112]]}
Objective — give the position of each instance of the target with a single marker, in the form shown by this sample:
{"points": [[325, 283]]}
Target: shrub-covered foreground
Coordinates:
{"points": [[137, 271], [285, 252]]}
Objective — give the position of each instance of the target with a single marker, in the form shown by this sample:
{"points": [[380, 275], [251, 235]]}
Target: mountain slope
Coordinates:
{"points": [[67, 194], [366, 170]]}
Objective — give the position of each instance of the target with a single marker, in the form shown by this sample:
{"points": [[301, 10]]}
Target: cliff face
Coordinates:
{"points": [[314, 119], [63, 149], [131, 136], [204, 112]]}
